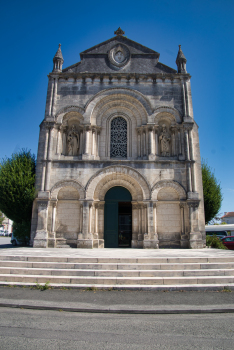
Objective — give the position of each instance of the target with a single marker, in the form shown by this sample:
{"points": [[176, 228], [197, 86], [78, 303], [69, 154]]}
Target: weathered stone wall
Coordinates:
{"points": [[161, 169]]}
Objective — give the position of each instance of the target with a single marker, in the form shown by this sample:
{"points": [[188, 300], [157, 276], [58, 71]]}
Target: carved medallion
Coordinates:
{"points": [[119, 55]]}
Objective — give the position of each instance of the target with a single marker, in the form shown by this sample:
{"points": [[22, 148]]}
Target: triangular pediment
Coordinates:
{"points": [[134, 47]]}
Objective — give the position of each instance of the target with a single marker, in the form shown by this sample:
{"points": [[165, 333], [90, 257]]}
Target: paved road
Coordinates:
{"points": [[5, 242], [34, 329]]}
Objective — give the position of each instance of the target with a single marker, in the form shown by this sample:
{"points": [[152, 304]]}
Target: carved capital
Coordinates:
{"points": [[183, 205], [193, 204], [42, 205]]}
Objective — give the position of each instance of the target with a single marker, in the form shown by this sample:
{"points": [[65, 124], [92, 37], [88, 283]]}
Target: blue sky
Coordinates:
{"points": [[31, 31]]}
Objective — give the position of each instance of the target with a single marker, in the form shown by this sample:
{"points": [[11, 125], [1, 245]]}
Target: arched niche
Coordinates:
{"points": [[67, 184], [168, 184]]}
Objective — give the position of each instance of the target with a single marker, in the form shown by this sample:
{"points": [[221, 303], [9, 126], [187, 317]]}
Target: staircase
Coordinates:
{"points": [[119, 273]]}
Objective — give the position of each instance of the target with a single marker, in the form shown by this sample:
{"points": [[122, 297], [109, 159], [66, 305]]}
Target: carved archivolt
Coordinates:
{"points": [[167, 183], [120, 180], [119, 104], [121, 174], [69, 183], [128, 94], [69, 111], [167, 112]]}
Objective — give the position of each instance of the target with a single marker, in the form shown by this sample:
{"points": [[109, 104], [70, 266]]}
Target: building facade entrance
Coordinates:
{"points": [[118, 218]]}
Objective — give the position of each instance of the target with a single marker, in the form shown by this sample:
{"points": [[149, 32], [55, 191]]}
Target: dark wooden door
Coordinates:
{"points": [[111, 214]]}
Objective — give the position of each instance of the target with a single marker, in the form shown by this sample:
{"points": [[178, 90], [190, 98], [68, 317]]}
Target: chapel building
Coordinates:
{"points": [[118, 158]]}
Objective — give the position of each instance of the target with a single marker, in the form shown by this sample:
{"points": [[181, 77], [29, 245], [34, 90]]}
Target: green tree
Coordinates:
{"points": [[1, 218], [212, 192], [17, 190]]}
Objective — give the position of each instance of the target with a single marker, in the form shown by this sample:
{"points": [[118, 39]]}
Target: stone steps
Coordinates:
{"points": [[106, 281], [111, 272], [119, 266], [115, 273]]}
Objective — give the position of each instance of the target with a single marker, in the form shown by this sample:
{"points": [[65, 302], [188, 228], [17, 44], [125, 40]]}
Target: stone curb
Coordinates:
{"points": [[132, 287], [173, 309]]}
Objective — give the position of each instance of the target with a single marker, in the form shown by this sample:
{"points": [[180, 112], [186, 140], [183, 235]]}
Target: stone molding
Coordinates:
{"points": [[164, 111], [67, 183], [116, 171], [118, 90], [71, 108], [168, 183]]}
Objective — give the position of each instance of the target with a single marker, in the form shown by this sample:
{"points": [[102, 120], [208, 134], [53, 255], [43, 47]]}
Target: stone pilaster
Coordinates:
{"points": [[41, 238], [195, 237]]}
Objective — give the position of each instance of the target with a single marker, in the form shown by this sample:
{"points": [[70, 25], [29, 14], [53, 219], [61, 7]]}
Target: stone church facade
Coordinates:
{"points": [[118, 153]]}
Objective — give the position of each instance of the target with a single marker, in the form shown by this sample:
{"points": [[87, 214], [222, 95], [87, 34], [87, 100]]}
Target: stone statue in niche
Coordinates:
{"points": [[72, 142], [164, 140]]}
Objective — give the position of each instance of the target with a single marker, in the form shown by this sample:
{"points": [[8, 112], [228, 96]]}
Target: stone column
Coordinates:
{"points": [[44, 159], [86, 155], [97, 142], [151, 144], [195, 236], [173, 144], [87, 239], [101, 206], [179, 142], [144, 143], [183, 239], [140, 235], [187, 151], [58, 141], [138, 144], [80, 235], [135, 225], [182, 143], [150, 238], [189, 182], [41, 237], [87, 134], [95, 234], [52, 239], [51, 96], [184, 99], [48, 165], [93, 142], [55, 96], [193, 172], [81, 143], [156, 141], [64, 140]]}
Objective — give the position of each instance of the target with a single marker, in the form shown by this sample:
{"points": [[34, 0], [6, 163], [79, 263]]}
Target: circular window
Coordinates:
{"points": [[119, 55]]}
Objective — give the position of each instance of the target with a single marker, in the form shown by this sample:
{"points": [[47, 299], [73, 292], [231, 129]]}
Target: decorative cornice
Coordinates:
{"points": [[117, 75]]}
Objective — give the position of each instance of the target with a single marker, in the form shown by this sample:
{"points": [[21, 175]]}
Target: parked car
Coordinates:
{"points": [[228, 242], [15, 241]]}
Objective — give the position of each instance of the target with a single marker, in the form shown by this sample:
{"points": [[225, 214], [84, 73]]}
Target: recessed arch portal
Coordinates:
{"points": [[118, 218]]}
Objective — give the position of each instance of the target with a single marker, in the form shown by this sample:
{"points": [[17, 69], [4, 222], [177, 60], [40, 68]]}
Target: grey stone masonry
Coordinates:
{"points": [[156, 156]]}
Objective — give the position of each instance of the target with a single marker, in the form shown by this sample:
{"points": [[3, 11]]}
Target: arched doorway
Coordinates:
{"points": [[118, 218]]}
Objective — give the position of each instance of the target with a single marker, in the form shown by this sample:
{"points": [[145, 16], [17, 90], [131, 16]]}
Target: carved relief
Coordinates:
{"points": [[164, 140], [73, 142]]}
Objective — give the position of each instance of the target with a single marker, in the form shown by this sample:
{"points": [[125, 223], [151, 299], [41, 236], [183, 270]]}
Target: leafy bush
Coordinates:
{"points": [[17, 191], [212, 192], [214, 242]]}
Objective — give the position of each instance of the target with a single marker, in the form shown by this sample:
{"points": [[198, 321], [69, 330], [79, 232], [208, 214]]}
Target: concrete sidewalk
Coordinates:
{"points": [[112, 301]]}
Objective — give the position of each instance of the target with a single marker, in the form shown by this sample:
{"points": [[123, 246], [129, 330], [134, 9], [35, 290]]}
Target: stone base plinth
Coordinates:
{"points": [[150, 244], [195, 241], [40, 243], [97, 243], [184, 243], [85, 243]]}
